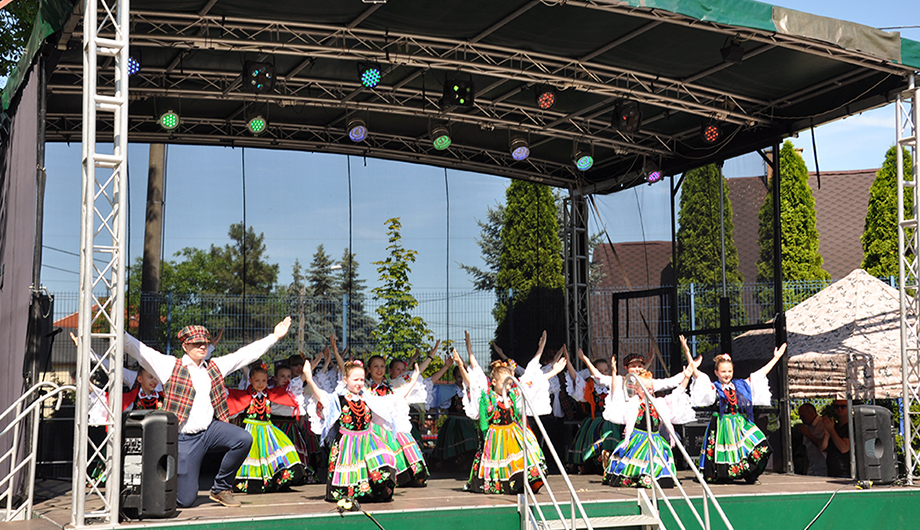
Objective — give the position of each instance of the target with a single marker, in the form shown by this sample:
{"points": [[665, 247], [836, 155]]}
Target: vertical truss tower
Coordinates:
{"points": [[102, 263], [907, 127], [576, 272]]}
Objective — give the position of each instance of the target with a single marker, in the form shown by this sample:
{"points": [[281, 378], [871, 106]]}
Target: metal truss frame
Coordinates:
{"points": [[907, 130], [576, 266], [102, 262]]}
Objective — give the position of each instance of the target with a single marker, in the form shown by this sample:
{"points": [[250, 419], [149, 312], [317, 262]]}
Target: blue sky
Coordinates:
{"points": [[300, 200]]}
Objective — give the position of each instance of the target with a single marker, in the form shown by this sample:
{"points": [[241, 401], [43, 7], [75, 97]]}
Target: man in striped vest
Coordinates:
{"points": [[194, 391]]}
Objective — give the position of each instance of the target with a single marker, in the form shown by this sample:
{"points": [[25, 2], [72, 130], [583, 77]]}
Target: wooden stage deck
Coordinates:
{"points": [[53, 499]]}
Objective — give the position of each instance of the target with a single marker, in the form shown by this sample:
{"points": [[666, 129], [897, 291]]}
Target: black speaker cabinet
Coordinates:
{"points": [[874, 444], [149, 463]]}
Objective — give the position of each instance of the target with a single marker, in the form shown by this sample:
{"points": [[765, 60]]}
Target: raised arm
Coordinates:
{"points": [[469, 350], [540, 345], [307, 377], [435, 377], [777, 353], [568, 363], [463, 373], [414, 359], [498, 351], [558, 366], [327, 359], [591, 368], [335, 351], [424, 365]]}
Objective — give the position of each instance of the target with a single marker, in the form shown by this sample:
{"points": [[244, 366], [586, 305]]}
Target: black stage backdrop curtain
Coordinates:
{"points": [[18, 189]]}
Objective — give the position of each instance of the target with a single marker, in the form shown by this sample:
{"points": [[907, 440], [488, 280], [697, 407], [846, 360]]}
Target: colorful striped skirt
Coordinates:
{"points": [[411, 469], [594, 436], [629, 463], [303, 440], [457, 436], [361, 466], [499, 466], [272, 463], [734, 448]]}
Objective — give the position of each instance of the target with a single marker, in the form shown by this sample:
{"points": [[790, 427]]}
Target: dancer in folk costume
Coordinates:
{"points": [[503, 465], [459, 437], [361, 464], [734, 448], [643, 455], [596, 434], [272, 463], [291, 421], [411, 468]]}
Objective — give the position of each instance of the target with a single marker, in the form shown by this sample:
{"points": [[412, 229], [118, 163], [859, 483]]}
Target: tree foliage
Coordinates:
{"points": [[699, 247], [529, 282], [801, 259], [16, 21], [398, 332], [880, 237]]}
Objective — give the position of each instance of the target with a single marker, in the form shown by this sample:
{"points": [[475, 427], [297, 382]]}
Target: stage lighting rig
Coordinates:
{"points": [[711, 132], [258, 78], [520, 149], [583, 160], [169, 120], [627, 117], [545, 97], [257, 125], [440, 137], [458, 92], [733, 53], [369, 74], [357, 130], [134, 66]]}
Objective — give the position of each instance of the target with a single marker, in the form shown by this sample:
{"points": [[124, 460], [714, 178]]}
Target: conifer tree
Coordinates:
{"points": [[529, 282], [880, 237], [699, 248]]}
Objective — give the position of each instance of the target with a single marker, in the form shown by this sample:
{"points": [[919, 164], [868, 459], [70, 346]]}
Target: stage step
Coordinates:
{"points": [[618, 521]]}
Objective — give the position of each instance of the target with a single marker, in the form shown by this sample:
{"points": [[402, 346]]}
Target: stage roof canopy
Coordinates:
{"points": [[761, 72]]}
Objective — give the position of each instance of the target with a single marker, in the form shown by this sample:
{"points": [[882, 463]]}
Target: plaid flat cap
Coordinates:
{"points": [[194, 334]]}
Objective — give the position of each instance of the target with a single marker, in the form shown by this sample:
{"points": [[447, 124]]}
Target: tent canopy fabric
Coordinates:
{"points": [[845, 336], [796, 70]]}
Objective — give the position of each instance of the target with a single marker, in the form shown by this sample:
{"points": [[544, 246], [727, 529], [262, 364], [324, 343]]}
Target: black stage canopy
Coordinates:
{"points": [[758, 71]]}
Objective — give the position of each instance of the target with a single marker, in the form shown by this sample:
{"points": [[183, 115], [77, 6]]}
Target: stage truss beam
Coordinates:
{"points": [[102, 263], [907, 129]]}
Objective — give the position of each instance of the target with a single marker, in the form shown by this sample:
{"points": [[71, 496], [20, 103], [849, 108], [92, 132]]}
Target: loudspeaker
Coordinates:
{"points": [[149, 462], [40, 335], [874, 444]]}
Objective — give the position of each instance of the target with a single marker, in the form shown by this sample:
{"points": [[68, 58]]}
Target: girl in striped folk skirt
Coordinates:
{"points": [[643, 455], [734, 447], [272, 463], [361, 464]]}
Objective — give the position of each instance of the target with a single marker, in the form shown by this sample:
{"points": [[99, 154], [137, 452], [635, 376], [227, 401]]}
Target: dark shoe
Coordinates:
{"points": [[226, 498]]}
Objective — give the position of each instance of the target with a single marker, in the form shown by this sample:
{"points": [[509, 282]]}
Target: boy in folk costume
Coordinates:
{"points": [[195, 392]]}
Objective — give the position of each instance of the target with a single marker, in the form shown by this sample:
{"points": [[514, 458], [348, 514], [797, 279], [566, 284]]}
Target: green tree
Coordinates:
{"points": [[243, 263], [529, 283], [361, 325], [16, 21], [490, 246], [398, 333], [880, 237], [801, 259], [699, 247]]}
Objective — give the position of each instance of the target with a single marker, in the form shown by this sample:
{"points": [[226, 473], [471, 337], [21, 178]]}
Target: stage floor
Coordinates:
{"points": [[53, 499]]}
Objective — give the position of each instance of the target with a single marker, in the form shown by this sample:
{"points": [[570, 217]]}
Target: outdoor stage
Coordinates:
{"points": [[779, 502]]}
